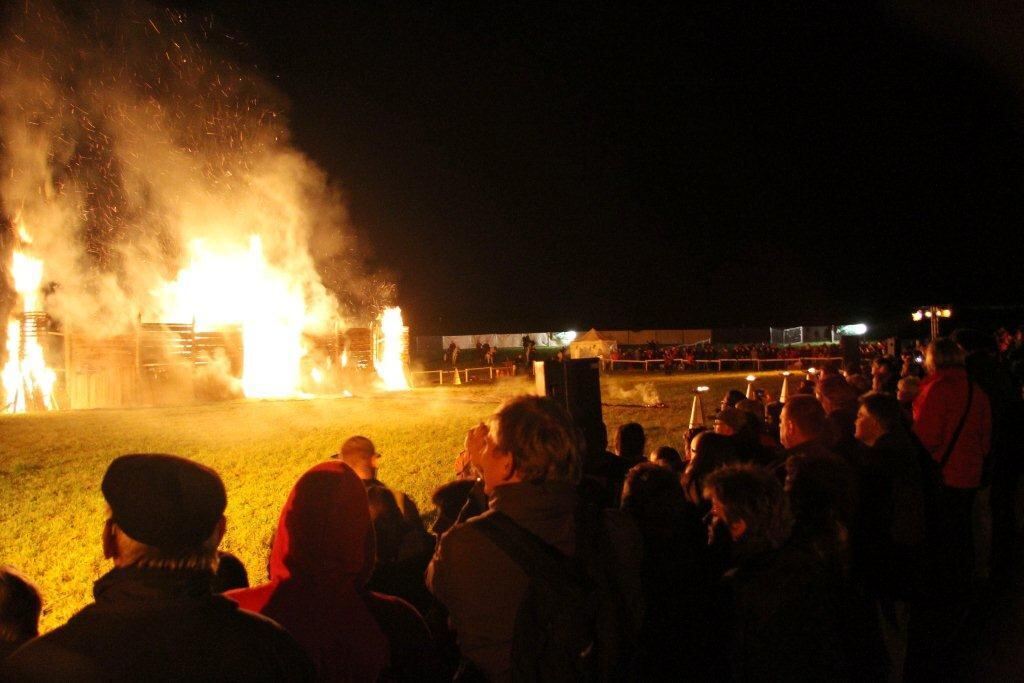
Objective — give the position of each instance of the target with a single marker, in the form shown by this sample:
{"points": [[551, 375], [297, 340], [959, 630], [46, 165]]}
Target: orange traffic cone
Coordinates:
{"points": [[697, 410], [784, 393], [458, 378]]}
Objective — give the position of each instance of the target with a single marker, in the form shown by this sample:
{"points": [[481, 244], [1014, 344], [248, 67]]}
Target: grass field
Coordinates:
{"points": [[51, 509]]}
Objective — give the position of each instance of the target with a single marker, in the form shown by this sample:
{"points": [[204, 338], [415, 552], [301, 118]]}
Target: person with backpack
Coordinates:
{"points": [[953, 420], [541, 586]]}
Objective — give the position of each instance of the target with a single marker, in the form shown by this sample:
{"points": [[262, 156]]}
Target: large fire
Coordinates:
{"points": [[26, 379], [161, 186], [223, 285]]}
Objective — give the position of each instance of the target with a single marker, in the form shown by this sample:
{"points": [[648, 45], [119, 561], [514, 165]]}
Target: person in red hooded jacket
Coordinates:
{"points": [[322, 555], [947, 396]]}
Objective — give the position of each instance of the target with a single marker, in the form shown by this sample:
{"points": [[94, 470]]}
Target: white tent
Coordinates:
{"points": [[591, 345]]}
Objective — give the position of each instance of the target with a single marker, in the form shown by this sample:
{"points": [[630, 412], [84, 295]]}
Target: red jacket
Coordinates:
{"points": [[937, 412], [320, 561]]}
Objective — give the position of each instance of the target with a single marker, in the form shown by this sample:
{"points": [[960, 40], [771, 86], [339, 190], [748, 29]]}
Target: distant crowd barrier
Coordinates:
{"points": [[492, 372], [731, 363], [443, 376]]}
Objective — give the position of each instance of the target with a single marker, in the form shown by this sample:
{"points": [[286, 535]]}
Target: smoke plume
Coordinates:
{"points": [[125, 136]]}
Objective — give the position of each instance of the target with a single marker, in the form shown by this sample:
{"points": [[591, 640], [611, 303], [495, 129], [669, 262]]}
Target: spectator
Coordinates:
{"points": [[907, 390], [677, 634], [892, 500], [528, 457], [403, 544], [802, 426], [688, 436], [953, 421], [743, 427], [20, 606], [779, 605], [603, 471], [860, 383], [403, 551], [884, 375], [669, 458], [758, 411], [772, 416], [729, 421], [359, 453], [1003, 464], [839, 401], [822, 495], [319, 563], [630, 441], [155, 616], [731, 398], [456, 501], [710, 451]]}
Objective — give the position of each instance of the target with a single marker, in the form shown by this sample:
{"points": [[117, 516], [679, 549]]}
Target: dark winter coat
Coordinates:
{"points": [[891, 520], [157, 625], [783, 611]]}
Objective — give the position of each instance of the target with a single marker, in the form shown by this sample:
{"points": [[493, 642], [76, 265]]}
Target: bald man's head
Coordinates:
{"points": [[361, 455]]}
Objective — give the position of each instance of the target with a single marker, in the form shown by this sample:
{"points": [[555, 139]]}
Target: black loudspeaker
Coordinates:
{"points": [[849, 348], [575, 384]]}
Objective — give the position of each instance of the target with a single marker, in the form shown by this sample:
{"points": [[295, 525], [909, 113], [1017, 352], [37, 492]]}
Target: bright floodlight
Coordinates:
{"points": [[917, 316], [855, 330], [946, 313]]}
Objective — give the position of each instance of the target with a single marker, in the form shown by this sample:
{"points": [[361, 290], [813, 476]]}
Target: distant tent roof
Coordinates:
{"points": [[592, 336]]}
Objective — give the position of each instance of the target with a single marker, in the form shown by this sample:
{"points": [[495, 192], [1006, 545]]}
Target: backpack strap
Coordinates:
{"points": [[959, 427], [533, 554]]}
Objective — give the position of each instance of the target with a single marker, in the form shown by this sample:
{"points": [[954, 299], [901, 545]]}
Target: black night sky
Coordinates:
{"points": [[552, 166]]}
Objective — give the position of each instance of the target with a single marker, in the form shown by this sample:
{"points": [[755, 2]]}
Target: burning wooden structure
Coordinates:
{"points": [[175, 363], [154, 364]]}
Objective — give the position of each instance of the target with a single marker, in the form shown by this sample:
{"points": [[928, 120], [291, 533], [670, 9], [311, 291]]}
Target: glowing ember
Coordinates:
{"points": [[26, 379], [389, 364]]}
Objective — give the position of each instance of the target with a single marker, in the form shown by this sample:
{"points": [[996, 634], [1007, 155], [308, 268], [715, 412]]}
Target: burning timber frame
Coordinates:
{"points": [[166, 363], [156, 363]]}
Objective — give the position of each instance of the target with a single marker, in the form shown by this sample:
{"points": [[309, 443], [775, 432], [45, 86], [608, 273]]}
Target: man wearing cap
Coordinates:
{"points": [[155, 616], [361, 455]]}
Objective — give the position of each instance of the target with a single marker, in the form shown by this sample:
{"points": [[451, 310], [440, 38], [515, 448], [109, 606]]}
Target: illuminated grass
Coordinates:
{"points": [[51, 509]]}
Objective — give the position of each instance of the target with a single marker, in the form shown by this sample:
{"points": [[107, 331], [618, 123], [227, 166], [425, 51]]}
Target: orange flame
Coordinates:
{"points": [[389, 365], [25, 376], [231, 285]]}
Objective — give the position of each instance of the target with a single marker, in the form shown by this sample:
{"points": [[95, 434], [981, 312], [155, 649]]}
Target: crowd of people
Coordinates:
{"points": [[763, 351], [826, 537]]}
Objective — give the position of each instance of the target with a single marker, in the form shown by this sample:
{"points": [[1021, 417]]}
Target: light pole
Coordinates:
{"points": [[933, 313]]}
